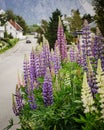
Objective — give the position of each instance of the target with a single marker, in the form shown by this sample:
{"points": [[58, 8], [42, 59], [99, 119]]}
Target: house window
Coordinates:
{"points": [[10, 27]]}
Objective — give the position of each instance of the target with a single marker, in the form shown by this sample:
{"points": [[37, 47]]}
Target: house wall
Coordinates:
{"points": [[19, 34], [11, 30], [2, 31]]}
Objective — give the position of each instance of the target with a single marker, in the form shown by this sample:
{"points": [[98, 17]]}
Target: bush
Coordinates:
{"points": [[9, 43], [66, 106]]}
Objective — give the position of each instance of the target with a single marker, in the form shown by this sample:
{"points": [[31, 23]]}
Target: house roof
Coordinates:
{"points": [[15, 25]]}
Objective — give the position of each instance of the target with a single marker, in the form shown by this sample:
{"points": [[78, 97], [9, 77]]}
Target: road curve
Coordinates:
{"points": [[10, 62]]}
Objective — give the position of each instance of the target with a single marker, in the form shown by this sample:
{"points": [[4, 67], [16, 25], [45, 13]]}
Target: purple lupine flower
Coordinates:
{"points": [[79, 55], [84, 58], [42, 64], [19, 98], [61, 41], [86, 46], [73, 54], [31, 99], [98, 48], [46, 55], [32, 69], [26, 72], [37, 65], [14, 106], [92, 83], [47, 88], [57, 53], [56, 60], [17, 101], [91, 76]]}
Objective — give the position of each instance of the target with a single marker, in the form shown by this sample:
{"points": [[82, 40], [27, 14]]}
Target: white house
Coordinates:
{"points": [[2, 11], [14, 29], [2, 31]]}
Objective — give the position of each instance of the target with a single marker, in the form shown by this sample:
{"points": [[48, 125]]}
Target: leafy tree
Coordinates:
{"points": [[99, 9], [22, 23], [88, 17], [3, 18], [10, 15], [51, 33], [19, 19], [44, 25], [75, 21]]}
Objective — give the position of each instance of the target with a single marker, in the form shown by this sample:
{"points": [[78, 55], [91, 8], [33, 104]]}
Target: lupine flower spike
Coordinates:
{"points": [[91, 78], [86, 96], [61, 41], [18, 98], [14, 106], [31, 99], [100, 80], [32, 68], [26, 71], [20, 83], [86, 46], [47, 89]]}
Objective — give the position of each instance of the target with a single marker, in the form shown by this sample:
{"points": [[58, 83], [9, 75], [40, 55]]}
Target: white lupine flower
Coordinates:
{"points": [[67, 79], [100, 80], [87, 98]]}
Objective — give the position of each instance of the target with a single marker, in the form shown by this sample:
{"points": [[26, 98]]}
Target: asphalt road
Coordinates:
{"points": [[10, 62]]}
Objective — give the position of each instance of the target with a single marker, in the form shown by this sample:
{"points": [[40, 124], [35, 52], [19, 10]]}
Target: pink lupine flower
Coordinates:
{"points": [[61, 41]]}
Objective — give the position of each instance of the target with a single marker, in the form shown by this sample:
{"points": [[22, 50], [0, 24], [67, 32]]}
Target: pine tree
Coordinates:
{"points": [[51, 33]]}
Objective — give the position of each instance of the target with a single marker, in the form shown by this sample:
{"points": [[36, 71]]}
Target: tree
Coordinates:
{"points": [[44, 25], [88, 17], [51, 33], [3, 18], [99, 17], [22, 23], [75, 21], [10, 15], [19, 19]]}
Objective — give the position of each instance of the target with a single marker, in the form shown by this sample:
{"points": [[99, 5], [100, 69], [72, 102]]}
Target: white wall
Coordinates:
{"points": [[11, 30], [2, 31]]}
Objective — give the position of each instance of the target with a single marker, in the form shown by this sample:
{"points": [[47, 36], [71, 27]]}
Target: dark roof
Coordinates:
{"points": [[15, 25]]}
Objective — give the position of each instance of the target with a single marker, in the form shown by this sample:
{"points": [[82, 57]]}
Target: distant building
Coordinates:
{"points": [[14, 29]]}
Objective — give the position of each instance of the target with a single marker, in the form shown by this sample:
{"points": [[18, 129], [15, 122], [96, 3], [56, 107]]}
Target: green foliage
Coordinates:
{"points": [[9, 43], [88, 17], [19, 19], [69, 37], [44, 25], [67, 105], [22, 23], [10, 15], [90, 121], [5, 34], [51, 33], [99, 17], [75, 21], [3, 19], [10, 124]]}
